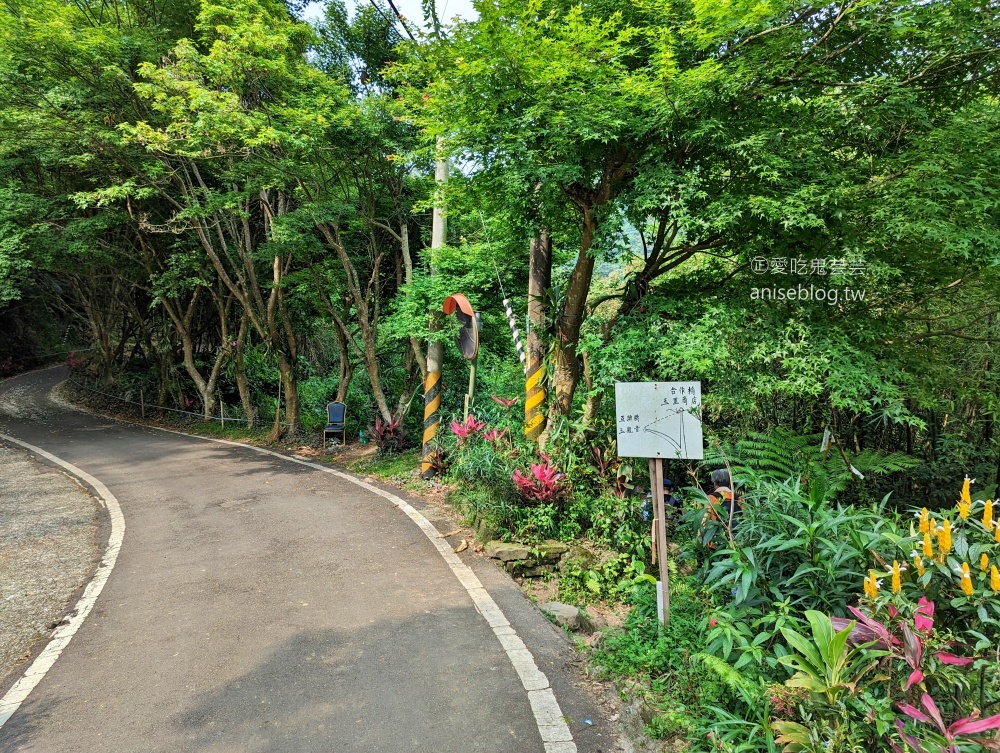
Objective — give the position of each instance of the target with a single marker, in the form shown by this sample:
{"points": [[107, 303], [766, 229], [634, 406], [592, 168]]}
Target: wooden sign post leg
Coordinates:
{"points": [[472, 386], [661, 536], [655, 540]]}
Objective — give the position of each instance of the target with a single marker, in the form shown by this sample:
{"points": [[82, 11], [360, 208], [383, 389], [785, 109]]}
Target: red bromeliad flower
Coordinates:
{"points": [[494, 436], [506, 402], [467, 428], [544, 485]]}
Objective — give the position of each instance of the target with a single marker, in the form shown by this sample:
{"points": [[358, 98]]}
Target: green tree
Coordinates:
{"points": [[722, 132]]}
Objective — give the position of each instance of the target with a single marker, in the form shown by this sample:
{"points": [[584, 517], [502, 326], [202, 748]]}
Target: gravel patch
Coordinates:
{"points": [[48, 549], [18, 401]]}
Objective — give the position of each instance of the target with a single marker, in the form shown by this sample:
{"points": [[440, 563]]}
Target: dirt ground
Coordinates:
{"points": [[48, 548]]}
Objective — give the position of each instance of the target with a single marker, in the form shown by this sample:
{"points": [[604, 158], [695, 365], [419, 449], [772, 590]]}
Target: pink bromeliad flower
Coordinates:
{"points": [[467, 428], [494, 436], [506, 402], [545, 484]]}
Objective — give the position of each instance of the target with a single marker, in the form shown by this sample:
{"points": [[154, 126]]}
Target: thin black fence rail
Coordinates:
{"points": [[143, 406], [43, 356]]}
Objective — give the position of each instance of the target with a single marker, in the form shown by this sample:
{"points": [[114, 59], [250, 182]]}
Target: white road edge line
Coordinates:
{"points": [[549, 719], [14, 697], [552, 727]]}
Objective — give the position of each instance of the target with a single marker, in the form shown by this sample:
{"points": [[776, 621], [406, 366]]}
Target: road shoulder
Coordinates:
{"points": [[52, 534]]}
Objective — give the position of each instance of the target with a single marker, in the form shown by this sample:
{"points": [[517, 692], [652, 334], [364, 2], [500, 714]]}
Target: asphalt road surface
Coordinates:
{"points": [[258, 605]]}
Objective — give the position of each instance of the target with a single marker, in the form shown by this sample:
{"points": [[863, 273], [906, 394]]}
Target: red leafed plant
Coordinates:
{"points": [[494, 435], [506, 402], [388, 436], [438, 462], [911, 647], [545, 484], [467, 428], [970, 725], [602, 459]]}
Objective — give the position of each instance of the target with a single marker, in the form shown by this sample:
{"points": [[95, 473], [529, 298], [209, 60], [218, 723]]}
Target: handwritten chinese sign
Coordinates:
{"points": [[659, 420]]}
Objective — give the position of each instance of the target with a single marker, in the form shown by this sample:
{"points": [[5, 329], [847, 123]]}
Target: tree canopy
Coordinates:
{"points": [[220, 197]]}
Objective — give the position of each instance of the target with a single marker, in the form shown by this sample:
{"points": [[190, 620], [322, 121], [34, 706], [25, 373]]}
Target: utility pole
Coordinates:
{"points": [[435, 348]]}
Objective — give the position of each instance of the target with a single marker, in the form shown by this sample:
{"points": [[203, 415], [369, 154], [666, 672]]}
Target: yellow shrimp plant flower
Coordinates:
{"points": [[928, 546], [984, 562], [988, 515], [871, 585], [967, 588], [994, 579], [944, 538], [925, 521]]}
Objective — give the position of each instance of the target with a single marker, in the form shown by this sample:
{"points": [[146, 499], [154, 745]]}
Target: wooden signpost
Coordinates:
{"points": [[658, 420]]}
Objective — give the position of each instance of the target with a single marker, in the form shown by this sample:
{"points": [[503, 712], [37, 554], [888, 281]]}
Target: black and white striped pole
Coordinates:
{"points": [[515, 334]]}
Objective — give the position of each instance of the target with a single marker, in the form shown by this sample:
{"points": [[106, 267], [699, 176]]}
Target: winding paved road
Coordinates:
{"points": [[259, 605]]}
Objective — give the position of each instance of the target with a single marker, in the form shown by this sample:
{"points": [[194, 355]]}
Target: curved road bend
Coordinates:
{"points": [[259, 605]]}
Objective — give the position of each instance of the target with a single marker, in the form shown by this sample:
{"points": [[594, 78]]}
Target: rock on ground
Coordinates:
{"points": [[546, 551], [48, 548], [566, 615]]}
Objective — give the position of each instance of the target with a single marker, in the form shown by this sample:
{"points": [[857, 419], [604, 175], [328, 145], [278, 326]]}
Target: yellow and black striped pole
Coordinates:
{"points": [[432, 402], [539, 281], [534, 399]]}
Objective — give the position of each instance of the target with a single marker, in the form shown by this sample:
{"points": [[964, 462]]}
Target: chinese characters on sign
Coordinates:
{"points": [[784, 265], [659, 419]]}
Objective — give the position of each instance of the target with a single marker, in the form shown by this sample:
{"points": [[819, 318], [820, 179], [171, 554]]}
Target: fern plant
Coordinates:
{"points": [[782, 456]]}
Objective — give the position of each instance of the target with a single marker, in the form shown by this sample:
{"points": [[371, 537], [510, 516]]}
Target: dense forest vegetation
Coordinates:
{"points": [[216, 202]]}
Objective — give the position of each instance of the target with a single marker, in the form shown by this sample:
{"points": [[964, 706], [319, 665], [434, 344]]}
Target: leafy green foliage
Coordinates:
{"points": [[782, 456], [796, 548], [668, 659]]}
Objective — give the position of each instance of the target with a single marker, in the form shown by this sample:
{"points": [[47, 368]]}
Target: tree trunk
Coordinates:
{"points": [[371, 366], [166, 363], [404, 243], [205, 391], [290, 383], [240, 372], [567, 368], [346, 367], [183, 326]]}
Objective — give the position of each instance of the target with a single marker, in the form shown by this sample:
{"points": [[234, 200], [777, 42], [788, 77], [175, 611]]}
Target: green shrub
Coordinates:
{"points": [[683, 688], [611, 578], [789, 546]]}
